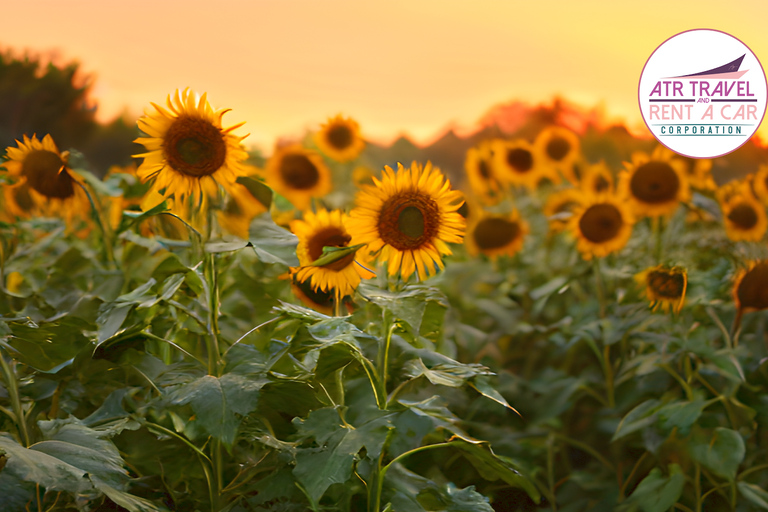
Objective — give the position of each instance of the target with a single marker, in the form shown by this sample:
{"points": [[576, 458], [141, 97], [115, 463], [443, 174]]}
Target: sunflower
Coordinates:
{"points": [[602, 224], [44, 185], [481, 174], [655, 184], [240, 208], [340, 139], [597, 179], [496, 235], [697, 170], [189, 153], [299, 174], [744, 217], [559, 207], [664, 286], [750, 288], [326, 229], [760, 183], [516, 163], [560, 150], [407, 218], [320, 301]]}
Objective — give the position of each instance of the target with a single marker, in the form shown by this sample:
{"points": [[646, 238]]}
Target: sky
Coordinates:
{"points": [[398, 67]]}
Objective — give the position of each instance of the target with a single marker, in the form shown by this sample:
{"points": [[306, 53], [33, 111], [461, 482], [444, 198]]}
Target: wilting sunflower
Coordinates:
{"points": [[559, 207], [299, 174], [654, 184], [744, 217], [189, 153], [516, 163], [602, 225], [496, 235], [340, 139], [560, 150], [407, 218], [750, 288], [481, 174], [44, 185], [320, 301], [664, 286], [597, 179], [326, 229]]}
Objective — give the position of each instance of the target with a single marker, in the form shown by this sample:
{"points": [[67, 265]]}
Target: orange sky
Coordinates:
{"points": [[396, 66]]}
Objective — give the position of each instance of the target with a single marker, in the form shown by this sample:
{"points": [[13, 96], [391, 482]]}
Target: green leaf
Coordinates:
{"points": [[755, 494], [50, 346], [681, 415], [445, 374], [493, 467], [331, 462], [721, 453], [272, 243], [260, 191], [408, 305], [217, 400], [138, 217], [332, 254], [657, 493], [638, 418]]}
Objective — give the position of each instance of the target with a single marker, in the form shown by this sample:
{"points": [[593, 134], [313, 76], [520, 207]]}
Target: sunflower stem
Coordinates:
{"points": [[106, 240], [383, 357], [212, 340], [12, 385], [599, 287], [658, 232]]}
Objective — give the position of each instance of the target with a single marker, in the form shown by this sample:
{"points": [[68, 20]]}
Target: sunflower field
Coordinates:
{"points": [[571, 319]]}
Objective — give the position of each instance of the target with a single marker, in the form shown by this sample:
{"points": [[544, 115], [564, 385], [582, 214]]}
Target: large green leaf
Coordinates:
{"points": [[721, 452], [216, 401], [50, 346], [272, 243], [656, 492]]}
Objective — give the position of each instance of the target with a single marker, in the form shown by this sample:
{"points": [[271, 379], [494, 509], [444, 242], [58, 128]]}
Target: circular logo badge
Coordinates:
{"points": [[702, 93]]}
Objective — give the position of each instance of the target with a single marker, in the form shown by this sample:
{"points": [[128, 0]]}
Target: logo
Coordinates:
{"points": [[702, 93]]}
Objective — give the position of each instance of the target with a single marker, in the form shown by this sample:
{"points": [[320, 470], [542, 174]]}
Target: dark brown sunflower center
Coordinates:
{"points": [[666, 284], [340, 137], [521, 160], [752, 290], [495, 233], [299, 172], [601, 223], [744, 216], [655, 182], [484, 169], [409, 220], [317, 297], [41, 168], [330, 237], [194, 146], [601, 184], [558, 148]]}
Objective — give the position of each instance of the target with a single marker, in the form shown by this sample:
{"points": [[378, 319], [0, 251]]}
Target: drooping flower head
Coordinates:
{"points": [[299, 174], [189, 153], [602, 225], [44, 184], [316, 231], [664, 286], [655, 184], [597, 179], [408, 218], [340, 139], [750, 288], [496, 235]]}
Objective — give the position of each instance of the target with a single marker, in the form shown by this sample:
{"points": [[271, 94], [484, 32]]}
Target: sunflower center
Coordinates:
{"points": [[340, 137], [668, 285], [744, 216], [602, 184], [330, 237], [600, 223], [521, 160], [655, 182], [194, 146], [42, 170], [495, 233], [484, 169], [753, 288], [299, 172], [558, 148], [409, 220]]}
